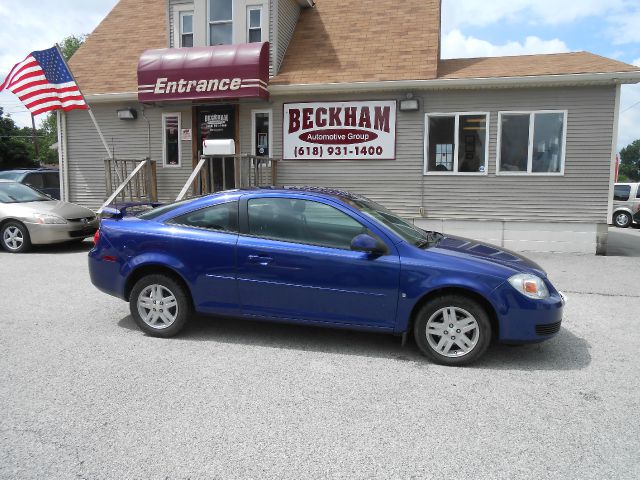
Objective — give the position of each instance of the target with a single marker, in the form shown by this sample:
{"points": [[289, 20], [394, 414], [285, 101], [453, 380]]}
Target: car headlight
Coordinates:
{"points": [[48, 219], [529, 285]]}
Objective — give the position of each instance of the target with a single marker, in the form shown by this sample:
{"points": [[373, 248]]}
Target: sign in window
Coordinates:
{"points": [[456, 143]]}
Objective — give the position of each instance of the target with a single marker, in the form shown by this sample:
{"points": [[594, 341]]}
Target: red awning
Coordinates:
{"points": [[223, 71]]}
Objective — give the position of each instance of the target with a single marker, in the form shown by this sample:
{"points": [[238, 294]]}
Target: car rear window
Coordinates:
{"points": [[156, 212], [621, 192]]}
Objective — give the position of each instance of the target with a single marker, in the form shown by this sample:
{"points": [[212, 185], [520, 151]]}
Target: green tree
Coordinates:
{"points": [[14, 151], [629, 170]]}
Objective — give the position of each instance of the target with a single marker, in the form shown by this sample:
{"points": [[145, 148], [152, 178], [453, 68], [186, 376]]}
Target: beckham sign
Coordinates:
{"points": [[340, 131]]}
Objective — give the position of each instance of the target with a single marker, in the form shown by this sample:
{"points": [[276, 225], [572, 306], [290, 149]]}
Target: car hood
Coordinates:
{"points": [[472, 248], [55, 207]]}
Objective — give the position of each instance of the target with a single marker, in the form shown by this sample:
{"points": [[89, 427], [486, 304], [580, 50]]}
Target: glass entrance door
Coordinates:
{"points": [[217, 123]]}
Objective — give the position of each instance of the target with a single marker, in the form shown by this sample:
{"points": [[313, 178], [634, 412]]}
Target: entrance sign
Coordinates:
{"points": [[222, 71], [340, 130]]}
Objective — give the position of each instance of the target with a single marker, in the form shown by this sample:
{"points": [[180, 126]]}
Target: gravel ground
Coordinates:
{"points": [[84, 394]]}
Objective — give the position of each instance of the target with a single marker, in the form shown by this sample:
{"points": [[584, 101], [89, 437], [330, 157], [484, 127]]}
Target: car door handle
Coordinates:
{"points": [[263, 260]]}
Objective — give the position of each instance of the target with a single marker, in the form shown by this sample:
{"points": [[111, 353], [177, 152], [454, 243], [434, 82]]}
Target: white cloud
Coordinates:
{"points": [[625, 27], [460, 13], [636, 62], [457, 45], [29, 26], [629, 124]]}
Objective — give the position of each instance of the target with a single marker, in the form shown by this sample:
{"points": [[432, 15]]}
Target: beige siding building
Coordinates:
{"points": [[516, 151]]}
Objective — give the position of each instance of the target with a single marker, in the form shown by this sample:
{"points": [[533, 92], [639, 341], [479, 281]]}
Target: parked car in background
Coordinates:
{"points": [[626, 204], [321, 257], [46, 180], [28, 217]]}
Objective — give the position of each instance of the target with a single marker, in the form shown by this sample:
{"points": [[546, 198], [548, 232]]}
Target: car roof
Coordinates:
{"points": [[29, 170], [326, 192]]}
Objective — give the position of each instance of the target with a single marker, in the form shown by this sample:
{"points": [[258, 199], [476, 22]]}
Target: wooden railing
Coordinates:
{"points": [[248, 171], [130, 180]]}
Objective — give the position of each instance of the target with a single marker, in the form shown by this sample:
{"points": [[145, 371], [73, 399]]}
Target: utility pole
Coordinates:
{"points": [[35, 139]]}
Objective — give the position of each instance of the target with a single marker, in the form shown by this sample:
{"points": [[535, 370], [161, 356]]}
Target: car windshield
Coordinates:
{"points": [[10, 175], [13, 192], [410, 233]]}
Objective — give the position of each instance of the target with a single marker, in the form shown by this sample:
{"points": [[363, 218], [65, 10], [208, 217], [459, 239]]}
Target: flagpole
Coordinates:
{"points": [[93, 118]]}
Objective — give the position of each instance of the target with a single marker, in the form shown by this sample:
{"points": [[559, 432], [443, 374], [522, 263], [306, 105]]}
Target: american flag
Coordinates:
{"points": [[43, 82]]}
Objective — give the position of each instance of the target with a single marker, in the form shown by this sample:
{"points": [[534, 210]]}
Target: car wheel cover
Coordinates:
{"points": [[13, 237], [157, 306], [452, 332], [622, 219]]}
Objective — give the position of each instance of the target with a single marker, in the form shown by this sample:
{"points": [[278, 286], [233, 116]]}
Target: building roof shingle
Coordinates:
{"points": [[108, 60], [337, 41], [359, 41], [531, 65]]}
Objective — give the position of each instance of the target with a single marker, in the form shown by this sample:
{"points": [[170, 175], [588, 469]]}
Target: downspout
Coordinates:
{"points": [[148, 133]]}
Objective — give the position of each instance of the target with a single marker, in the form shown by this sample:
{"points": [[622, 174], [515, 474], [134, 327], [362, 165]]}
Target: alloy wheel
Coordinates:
{"points": [[157, 306], [622, 220], [452, 332], [13, 237]]}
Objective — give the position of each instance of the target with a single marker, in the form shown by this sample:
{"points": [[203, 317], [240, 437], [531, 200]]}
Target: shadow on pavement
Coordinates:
{"points": [[58, 248], [566, 351]]}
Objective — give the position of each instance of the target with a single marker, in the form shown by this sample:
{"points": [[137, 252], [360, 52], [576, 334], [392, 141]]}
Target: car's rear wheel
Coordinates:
{"points": [[452, 330], [159, 305], [622, 219], [15, 237]]}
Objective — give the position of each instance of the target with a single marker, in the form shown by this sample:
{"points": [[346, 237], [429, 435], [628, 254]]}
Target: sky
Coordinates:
{"points": [[470, 28]]}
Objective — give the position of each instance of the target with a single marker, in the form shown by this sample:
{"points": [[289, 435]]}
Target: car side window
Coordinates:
{"points": [[638, 194], [223, 218], [34, 180], [621, 192], [51, 180], [302, 221]]}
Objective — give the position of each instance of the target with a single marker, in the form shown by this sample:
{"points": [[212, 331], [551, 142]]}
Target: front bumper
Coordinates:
{"points": [[525, 320], [58, 233]]}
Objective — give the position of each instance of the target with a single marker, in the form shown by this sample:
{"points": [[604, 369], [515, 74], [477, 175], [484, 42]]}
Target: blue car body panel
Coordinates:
{"points": [[241, 275]]}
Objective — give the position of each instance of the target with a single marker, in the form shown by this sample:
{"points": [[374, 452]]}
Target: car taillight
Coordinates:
{"points": [[96, 237]]}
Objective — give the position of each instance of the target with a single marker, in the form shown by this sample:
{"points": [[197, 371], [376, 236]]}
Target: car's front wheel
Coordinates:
{"points": [[452, 330], [159, 305], [15, 237], [622, 219]]}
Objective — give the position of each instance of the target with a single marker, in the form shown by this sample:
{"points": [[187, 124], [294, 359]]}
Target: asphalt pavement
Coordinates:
{"points": [[624, 242], [84, 394]]}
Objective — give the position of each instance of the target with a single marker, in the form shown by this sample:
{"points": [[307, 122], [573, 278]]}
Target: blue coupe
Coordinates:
{"points": [[321, 257]]}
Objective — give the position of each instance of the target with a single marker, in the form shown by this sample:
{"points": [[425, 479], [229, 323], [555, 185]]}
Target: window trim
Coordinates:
{"points": [[248, 22], [164, 139], [177, 24], [220, 22], [456, 115], [529, 171], [269, 112]]}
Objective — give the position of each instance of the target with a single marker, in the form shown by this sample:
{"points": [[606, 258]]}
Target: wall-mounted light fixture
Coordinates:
{"points": [[127, 114], [409, 104]]}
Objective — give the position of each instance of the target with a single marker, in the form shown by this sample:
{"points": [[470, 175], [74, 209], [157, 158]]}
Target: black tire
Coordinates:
{"points": [[182, 311], [24, 233], [434, 308], [622, 219]]}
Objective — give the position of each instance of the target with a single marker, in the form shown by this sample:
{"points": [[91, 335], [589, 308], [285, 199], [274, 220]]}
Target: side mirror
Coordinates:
{"points": [[367, 244]]}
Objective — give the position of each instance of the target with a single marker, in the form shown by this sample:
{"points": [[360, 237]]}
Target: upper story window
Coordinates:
{"points": [[456, 143], [186, 28], [220, 22], [532, 142], [254, 24]]}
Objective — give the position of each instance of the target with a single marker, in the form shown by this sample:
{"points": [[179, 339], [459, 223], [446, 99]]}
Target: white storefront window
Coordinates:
{"points": [[532, 143], [456, 143]]}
